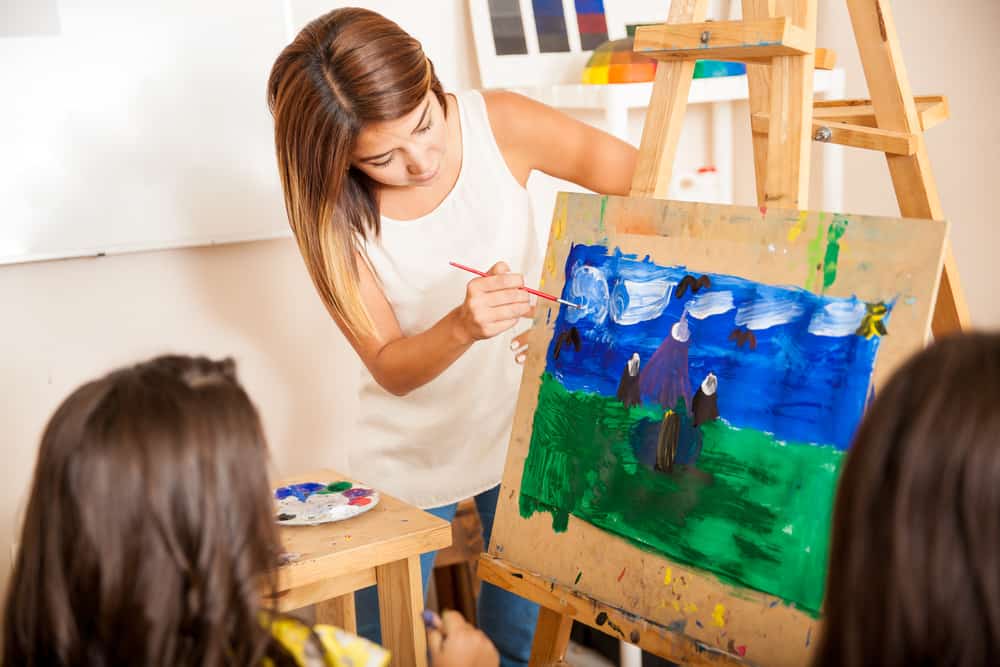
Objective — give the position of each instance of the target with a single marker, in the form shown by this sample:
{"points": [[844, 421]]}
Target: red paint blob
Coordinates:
{"points": [[763, 210], [360, 501], [742, 650]]}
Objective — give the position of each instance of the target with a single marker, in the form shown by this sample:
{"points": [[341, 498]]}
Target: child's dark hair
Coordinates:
{"points": [[914, 576], [148, 537]]}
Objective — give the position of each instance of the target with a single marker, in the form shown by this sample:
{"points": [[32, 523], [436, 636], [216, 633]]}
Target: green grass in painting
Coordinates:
{"points": [[755, 511]]}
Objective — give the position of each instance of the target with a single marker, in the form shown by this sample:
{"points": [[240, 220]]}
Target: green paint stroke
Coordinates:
{"points": [[754, 511], [833, 235], [815, 256]]}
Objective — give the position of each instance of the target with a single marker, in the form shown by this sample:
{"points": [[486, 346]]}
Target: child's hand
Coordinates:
{"points": [[455, 643]]}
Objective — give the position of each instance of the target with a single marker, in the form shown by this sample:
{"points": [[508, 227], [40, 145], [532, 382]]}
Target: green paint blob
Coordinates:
{"points": [[833, 235], [337, 487], [755, 511], [815, 256]]}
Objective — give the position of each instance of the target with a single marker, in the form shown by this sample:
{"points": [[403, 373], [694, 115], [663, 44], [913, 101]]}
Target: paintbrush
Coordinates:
{"points": [[550, 297]]}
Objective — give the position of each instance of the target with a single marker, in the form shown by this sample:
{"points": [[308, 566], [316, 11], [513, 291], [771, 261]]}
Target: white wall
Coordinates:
{"points": [[67, 321]]}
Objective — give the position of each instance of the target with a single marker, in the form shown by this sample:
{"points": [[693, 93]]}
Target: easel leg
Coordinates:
{"points": [[401, 601], [895, 109], [759, 81], [951, 314], [791, 105], [339, 612], [551, 638], [662, 130]]}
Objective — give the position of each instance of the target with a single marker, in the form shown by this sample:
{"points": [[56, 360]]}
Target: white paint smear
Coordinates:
{"points": [[710, 303], [768, 312], [840, 318], [589, 290], [634, 302]]}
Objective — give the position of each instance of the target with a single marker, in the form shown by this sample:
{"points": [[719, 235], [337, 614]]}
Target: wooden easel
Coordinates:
{"points": [[777, 39]]}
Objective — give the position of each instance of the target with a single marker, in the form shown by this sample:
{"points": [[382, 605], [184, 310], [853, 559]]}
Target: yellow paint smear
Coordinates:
{"points": [[668, 577], [550, 267], [798, 227], [719, 616], [559, 218]]}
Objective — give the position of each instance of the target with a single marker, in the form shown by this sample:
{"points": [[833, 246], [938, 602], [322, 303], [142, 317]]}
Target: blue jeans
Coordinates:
{"points": [[508, 620]]}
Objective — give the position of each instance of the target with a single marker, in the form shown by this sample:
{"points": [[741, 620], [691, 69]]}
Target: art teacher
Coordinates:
{"points": [[386, 179]]}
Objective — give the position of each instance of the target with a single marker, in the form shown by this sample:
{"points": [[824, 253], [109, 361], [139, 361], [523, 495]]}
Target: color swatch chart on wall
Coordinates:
{"points": [[551, 20]]}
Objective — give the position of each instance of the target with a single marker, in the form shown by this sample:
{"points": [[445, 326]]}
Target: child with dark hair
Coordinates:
{"points": [[149, 537], [914, 576]]}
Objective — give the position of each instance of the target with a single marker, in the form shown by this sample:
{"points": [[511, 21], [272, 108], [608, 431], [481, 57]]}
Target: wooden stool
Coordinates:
{"points": [[380, 547]]}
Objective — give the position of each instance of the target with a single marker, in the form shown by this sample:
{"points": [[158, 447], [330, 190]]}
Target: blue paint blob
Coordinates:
{"points": [[300, 491], [805, 379]]}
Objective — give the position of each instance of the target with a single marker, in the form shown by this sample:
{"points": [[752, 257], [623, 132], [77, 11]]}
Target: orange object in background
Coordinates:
{"points": [[615, 62]]}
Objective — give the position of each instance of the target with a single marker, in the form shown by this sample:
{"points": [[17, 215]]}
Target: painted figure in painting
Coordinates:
{"points": [[628, 386], [705, 404], [665, 378]]}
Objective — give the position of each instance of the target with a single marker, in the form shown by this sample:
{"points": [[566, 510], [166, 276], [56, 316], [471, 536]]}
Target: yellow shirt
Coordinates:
{"points": [[336, 648]]}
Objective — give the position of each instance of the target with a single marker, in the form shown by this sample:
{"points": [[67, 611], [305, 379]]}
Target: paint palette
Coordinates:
{"points": [[313, 503]]}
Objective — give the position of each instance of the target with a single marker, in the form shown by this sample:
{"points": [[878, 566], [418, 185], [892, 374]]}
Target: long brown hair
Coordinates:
{"points": [[914, 576], [148, 537], [345, 69]]}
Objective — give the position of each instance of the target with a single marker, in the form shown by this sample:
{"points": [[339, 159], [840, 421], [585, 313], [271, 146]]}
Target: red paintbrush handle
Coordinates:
{"points": [[483, 275]]}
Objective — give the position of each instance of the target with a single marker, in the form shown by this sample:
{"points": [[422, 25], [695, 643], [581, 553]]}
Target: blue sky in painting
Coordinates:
{"points": [[807, 380]]}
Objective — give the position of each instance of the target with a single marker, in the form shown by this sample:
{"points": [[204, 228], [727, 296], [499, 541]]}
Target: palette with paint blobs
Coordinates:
{"points": [[313, 503]]}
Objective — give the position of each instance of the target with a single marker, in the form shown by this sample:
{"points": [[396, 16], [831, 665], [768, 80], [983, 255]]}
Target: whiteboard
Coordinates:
{"points": [[136, 125]]}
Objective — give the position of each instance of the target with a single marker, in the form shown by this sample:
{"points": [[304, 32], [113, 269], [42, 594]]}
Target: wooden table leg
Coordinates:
{"points": [[339, 612], [401, 602], [551, 638]]}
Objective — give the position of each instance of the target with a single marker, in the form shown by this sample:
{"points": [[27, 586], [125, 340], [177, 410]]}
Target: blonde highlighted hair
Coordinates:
{"points": [[345, 69]]}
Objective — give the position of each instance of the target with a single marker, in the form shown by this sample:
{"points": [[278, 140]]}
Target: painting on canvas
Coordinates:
{"points": [[692, 414]]}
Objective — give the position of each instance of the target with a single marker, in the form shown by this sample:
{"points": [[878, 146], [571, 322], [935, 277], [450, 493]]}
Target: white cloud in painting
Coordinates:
{"points": [[707, 304], [633, 302], [769, 311], [588, 289], [840, 318]]}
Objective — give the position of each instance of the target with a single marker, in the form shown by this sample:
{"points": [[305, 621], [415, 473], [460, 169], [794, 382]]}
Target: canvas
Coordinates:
{"points": [[688, 422]]}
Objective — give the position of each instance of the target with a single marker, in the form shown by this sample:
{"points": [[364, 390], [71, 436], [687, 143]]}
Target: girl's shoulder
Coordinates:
{"points": [[327, 646]]}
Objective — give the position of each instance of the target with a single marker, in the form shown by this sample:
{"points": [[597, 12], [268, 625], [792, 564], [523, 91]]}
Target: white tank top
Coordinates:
{"points": [[447, 440]]}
